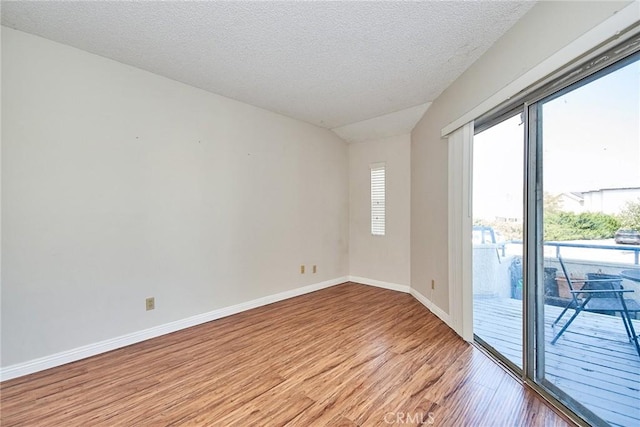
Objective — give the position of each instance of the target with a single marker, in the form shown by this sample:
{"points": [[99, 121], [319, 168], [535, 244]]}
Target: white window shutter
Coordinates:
{"points": [[378, 210]]}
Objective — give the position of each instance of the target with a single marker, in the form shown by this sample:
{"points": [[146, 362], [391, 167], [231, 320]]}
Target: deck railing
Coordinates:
{"points": [[634, 249], [558, 245]]}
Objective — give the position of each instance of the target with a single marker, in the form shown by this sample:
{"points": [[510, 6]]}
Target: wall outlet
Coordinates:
{"points": [[433, 284], [302, 269], [151, 303], [315, 269]]}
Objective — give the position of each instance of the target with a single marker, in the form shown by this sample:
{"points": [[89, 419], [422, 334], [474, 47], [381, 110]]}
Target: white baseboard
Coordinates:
{"points": [[40, 364], [380, 284], [64, 357], [432, 307]]}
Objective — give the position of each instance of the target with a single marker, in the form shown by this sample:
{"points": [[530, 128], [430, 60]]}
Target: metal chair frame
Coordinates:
{"points": [[599, 300]]}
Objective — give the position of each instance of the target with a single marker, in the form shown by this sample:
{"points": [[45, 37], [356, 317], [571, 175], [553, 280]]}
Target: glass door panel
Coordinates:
{"points": [[588, 149], [497, 238]]}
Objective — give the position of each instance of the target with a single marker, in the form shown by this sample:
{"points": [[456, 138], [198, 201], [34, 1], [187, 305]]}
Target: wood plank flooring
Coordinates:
{"points": [[347, 355]]}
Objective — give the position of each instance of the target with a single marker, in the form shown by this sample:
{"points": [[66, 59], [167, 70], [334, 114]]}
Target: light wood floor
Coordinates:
{"points": [[347, 355]]}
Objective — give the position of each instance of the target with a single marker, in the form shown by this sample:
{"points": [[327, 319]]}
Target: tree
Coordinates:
{"points": [[582, 226], [552, 204], [630, 215]]}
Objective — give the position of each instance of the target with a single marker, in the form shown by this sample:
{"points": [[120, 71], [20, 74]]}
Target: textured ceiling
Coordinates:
{"points": [[396, 123], [328, 63]]}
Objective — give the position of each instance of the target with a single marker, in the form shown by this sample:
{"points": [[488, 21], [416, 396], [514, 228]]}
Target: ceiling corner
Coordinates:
{"points": [[392, 124]]}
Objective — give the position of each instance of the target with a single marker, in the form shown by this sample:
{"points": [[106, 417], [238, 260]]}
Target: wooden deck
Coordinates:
{"points": [[593, 360]]}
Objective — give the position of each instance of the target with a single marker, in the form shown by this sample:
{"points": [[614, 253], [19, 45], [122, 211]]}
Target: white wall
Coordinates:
{"points": [[381, 258], [118, 185], [545, 29]]}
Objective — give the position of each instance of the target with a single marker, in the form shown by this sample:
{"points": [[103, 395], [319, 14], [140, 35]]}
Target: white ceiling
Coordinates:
{"points": [[334, 64]]}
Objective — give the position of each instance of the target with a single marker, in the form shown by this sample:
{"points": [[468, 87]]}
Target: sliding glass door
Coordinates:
{"points": [[587, 142], [497, 238], [556, 238]]}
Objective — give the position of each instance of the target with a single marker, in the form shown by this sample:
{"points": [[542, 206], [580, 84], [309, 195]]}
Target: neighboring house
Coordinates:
{"points": [[609, 200], [572, 202], [605, 200]]}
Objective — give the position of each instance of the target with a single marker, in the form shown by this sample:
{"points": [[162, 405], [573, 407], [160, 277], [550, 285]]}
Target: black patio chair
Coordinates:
{"points": [[600, 295]]}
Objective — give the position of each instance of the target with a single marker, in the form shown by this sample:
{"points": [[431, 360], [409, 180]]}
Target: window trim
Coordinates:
{"points": [[559, 82], [614, 31]]}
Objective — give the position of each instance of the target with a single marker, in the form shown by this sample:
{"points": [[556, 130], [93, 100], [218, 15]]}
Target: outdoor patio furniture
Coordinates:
{"points": [[609, 297]]}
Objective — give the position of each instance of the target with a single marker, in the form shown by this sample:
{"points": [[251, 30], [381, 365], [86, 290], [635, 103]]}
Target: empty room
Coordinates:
{"points": [[319, 213]]}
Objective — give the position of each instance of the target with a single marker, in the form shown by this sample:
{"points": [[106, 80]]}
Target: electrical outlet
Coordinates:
{"points": [[433, 284], [315, 269], [302, 269], [151, 303]]}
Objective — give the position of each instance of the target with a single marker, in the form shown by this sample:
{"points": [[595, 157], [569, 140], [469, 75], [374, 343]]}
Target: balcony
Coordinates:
{"points": [[593, 360]]}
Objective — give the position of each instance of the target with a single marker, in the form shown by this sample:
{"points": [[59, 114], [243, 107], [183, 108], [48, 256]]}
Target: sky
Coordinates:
{"points": [[591, 140], [591, 136], [498, 165]]}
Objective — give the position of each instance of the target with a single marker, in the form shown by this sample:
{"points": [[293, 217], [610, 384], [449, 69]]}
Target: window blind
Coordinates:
{"points": [[378, 199]]}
